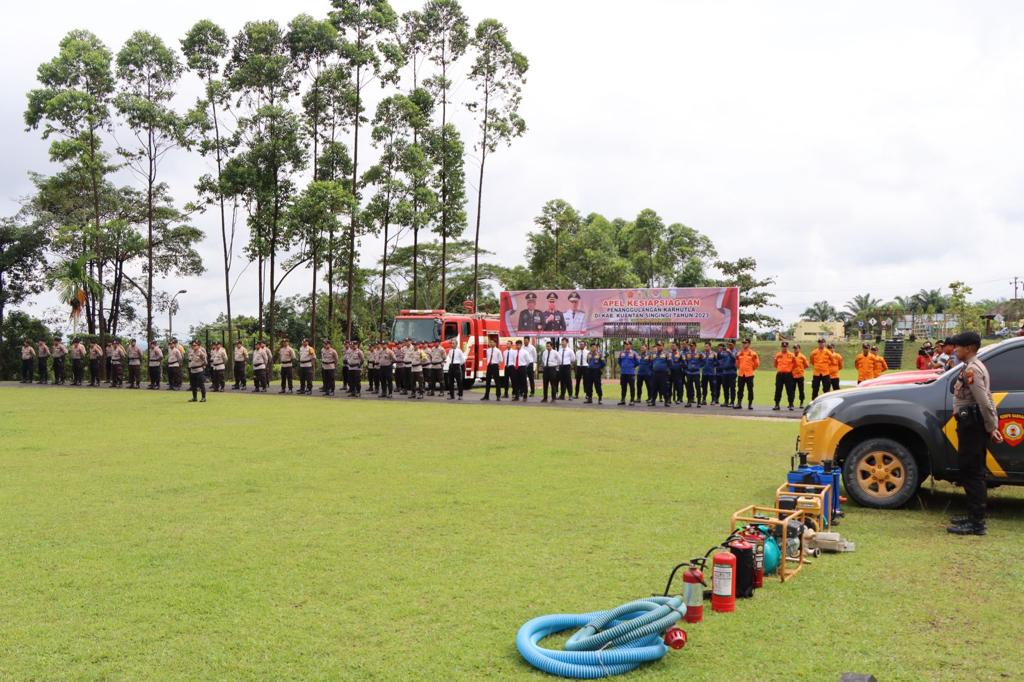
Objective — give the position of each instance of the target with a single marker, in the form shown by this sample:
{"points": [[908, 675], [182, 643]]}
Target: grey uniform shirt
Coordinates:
{"points": [[973, 387], [155, 356]]}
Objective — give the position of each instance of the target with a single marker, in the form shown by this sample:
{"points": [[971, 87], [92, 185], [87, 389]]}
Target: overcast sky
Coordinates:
{"points": [[849, 146]]}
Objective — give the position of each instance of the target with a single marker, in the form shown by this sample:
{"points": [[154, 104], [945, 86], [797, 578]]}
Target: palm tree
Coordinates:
{"points": [[820, 311], [930, 299], [73, 283], [863, 305]]}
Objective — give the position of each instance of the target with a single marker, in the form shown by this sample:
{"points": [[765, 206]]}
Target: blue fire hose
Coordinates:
{"points": [[634, 636]]}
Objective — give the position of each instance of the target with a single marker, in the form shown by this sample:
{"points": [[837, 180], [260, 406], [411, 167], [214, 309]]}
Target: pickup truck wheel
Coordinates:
{"points": [[881, 473]]}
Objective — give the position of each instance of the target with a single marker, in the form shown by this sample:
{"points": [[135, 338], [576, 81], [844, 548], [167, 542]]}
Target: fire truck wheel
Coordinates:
{"points": [[881, 473]]}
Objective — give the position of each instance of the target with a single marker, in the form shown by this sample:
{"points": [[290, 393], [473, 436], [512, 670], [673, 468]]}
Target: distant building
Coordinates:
{"points": [[934, 326], [812, 331]]}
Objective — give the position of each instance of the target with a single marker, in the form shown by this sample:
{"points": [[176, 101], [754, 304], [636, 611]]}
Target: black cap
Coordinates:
{"points": [[948, 341], [965, 339], [573, 296], [530, 296], [552, 296]]}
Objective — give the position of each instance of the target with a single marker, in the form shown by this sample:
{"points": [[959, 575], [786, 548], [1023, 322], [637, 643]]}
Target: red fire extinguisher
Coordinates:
{"points": [[723, 582], [693, 593], [752, 535]]}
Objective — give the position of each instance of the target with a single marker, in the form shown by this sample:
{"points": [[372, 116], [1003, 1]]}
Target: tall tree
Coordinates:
{"points": [[73, 105], [312, 215], [413, 38], [446, 33], [499, 73], [863, 305], [372, 54], [148, 73], [205, 46], [71, 281], [22, 263], [755, 296], [559, 220], [262, 72]]}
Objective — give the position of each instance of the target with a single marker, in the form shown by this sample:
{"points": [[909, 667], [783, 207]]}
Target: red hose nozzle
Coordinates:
{"points": [[675, 638]]}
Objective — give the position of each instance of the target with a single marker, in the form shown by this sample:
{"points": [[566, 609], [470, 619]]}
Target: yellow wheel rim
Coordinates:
{"points": [[881, 474]]}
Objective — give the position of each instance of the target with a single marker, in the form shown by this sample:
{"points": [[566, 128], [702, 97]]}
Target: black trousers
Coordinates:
{"points": [[94, 371], [77, 371], [784, 381], [820, 381], [239, 372], [44, 374], [373, 379], [661, 388], [727, 384], [565, 381], [707, 381], [402, 379], [493, 372], [26, 371], [174, 377], [592, 383], [455, 373], [58, 370], [517, 379], [386, 380], [531, 376], [286, 378], [579, 379], [116, 374], [154, 376], [218, 379], [693, 388], [675, 376], [355, 381], [641, 383], [971, 450], [549, 377], [835, 383], [747, 382], [306, 378], [327, 377], [197, 383], [419, 382], [799, 384], [260, 378], [134, 374], [627, 382]]}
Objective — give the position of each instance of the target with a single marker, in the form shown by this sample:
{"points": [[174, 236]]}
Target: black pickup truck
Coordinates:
{"points": [[889, 439]]}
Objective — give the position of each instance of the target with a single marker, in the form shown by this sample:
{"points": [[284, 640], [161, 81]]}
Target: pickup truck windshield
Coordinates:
{"points": [[420, 329]]}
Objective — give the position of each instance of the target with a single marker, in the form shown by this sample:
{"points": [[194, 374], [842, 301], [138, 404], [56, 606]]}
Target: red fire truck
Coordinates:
{"points": [[471, 330]]}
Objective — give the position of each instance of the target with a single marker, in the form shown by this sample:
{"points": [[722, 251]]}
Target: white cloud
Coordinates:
{"points": [[849, 146]]}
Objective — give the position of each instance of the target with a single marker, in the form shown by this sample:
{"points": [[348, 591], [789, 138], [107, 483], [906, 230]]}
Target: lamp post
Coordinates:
{"points": [[170, 314]]}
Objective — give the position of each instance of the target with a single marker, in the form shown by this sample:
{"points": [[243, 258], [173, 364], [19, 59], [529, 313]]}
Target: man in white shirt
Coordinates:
{"points": [[550, 361], [456, 361], [566, 360], [514, 370], [530, 357], [580, 362], [575, 319], [493, 358]]}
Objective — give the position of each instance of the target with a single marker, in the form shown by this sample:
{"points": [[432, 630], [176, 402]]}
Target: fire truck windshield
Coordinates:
{"points": [[418, 329]]}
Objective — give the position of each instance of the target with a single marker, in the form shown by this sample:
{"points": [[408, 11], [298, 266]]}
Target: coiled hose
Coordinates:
{"points": [[634, 636]]}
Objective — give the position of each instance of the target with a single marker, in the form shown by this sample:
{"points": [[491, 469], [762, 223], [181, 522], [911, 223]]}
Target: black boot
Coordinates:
{"points": [[969, 528]]}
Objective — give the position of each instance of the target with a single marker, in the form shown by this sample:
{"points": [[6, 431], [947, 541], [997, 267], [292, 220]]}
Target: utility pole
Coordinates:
{"points": [[1016, 282]]}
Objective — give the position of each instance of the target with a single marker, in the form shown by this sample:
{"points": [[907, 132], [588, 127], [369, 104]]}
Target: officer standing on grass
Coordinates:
{"points": [[153, 361], [196, 366], [727, 373], [58, 352], [240, 357], [976, 423], [628, 362]]}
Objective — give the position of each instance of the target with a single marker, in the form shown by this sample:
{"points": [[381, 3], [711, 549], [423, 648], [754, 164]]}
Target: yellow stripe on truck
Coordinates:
{"points": [[993, 465]]}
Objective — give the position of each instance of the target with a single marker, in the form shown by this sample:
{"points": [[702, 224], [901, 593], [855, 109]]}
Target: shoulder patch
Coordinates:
{"points": [[969, 376]]}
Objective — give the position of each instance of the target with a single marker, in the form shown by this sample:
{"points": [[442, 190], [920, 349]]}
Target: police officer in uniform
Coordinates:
{"points": [[95, 355], [354, 370], [175, 357], [153, 361], [387, 361], [241, 355], [575, 319], [43, 356], [28, 355], [976, 423], [328, 367], [554, 321], [77, 362], [260, 368], [197, 360], [531, 319], [287, 356], [134, 365], [307, 354], [219, 363], [58, 352]]}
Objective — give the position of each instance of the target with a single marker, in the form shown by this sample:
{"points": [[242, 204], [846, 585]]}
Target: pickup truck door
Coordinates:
{"points": [[1006, 369]]}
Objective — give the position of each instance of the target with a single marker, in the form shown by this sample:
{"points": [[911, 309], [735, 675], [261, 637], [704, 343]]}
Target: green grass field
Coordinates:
{"points": [[259, 537]]}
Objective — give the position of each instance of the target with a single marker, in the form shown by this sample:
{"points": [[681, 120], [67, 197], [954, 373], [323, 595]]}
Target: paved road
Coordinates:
{"points": [[471, 397]]}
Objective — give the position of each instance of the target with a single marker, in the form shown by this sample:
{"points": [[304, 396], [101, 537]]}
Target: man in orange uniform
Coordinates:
{"points": [[879, 364], [821, 361], [784, 363], [747, 363], [834, 367], [865, 364], [800, 364]]}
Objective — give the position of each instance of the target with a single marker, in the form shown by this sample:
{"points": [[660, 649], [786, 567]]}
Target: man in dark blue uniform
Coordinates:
{"points": [[659, 364], [675, 374], [554, 321], [628, 361], [693, 361], [708, 375]]}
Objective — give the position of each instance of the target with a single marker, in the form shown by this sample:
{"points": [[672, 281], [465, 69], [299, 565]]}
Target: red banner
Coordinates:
{"points": [[705, 313]]}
